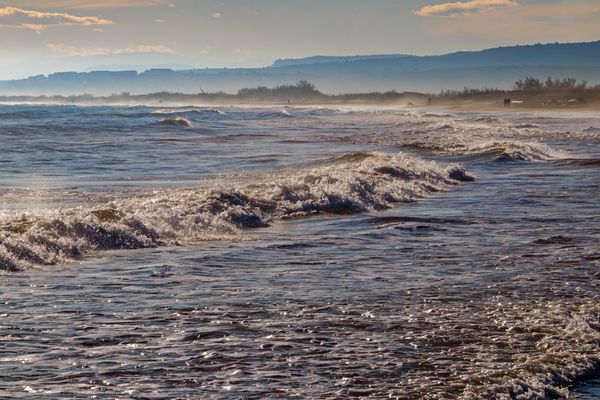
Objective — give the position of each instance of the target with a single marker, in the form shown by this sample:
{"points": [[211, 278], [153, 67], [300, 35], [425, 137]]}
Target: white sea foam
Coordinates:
{"points": [[567, 346], [275, 114], [350, 184], [501, 150], [485, 136], [187, 110]]}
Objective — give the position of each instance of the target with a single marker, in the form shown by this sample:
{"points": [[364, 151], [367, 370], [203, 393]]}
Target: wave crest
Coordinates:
{"points": [[358, 183], [275, 114], [187, 110], [515, 151], [500, 150], [177, 121]]}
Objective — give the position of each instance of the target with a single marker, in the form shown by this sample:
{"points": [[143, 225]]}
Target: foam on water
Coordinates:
{"points": [[493, 137], [188, 110], [351, 184], [567, 350], [501, 150], [275, 114], [526, 126]]}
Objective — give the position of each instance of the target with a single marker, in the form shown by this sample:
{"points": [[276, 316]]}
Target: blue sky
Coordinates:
{"points": [[42, 36]]}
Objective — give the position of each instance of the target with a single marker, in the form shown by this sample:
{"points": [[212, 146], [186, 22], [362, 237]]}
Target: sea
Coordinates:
{"points": [[188, 252]]}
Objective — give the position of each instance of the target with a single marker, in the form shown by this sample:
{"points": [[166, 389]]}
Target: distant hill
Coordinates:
{"points": [[136, 67], [331, 59], [498, 67], [556, 54]]}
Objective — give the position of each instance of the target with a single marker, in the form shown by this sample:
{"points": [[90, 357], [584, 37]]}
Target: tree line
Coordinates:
{"points": [[530, 84], [527, 85]]}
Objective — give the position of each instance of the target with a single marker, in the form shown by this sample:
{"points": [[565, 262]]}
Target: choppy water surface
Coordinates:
{"points": [[309, 253]]}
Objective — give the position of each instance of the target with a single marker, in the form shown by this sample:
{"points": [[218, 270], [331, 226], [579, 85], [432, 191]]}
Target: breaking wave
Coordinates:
{"points": [[188, 110], [351, 184], [436, 115], [490, 120], [591, 129], [275, 114], [582, 162], [177, 121], [484, 137], [527, 126], [514, 151], [500, 150]]}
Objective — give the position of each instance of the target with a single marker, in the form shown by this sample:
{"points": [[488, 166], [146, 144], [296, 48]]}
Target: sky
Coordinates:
{"points": [[44, 36]]}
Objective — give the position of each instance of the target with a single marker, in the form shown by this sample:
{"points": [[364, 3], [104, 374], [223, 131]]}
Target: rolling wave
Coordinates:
{"points": [[514, 151], [499, 150], [351, 184], [582, 162], [275, 114], [591, 129], [177, 121], [485, 137]]}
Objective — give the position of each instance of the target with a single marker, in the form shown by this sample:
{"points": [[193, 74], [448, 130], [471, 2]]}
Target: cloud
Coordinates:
{"points": [[537, 22], [461, 7], [12, 17], [72, 51]]}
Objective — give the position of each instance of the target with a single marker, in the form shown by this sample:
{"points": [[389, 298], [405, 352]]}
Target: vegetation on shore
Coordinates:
{"points": [[529, 91], [532, 92], [303, 93]]}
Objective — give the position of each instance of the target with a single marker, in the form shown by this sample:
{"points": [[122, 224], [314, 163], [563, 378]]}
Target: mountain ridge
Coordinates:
{"points": [[495, 67], [584, 53]]}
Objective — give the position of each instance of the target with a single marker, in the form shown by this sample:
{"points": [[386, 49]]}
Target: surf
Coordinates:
{"points": [[350, 184]]}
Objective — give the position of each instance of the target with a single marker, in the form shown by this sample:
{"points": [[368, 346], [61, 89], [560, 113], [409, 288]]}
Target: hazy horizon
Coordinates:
{"points": [[98, 63], [46, 36]]}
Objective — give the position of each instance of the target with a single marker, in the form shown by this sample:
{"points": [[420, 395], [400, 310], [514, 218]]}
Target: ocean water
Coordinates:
{"points": [[192, 252]]}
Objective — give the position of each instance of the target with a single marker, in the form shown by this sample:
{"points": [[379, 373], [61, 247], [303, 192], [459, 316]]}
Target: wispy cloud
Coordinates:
{"points": [[533, 22], [12, 17], [461, 7], [67, 50]]}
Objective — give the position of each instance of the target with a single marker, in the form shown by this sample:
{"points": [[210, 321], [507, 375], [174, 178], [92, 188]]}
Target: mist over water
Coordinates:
{"points": [[302, 252]]}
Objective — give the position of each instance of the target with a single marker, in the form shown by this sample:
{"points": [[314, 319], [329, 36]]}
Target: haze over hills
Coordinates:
{"points": [[567, 54], [332, 59], [136, 67], [497, 67]]}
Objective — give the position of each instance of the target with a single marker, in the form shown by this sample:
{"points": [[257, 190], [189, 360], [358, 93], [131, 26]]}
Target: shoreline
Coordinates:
{"points": [[446, 106], [466, 107], [375, 100]]}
